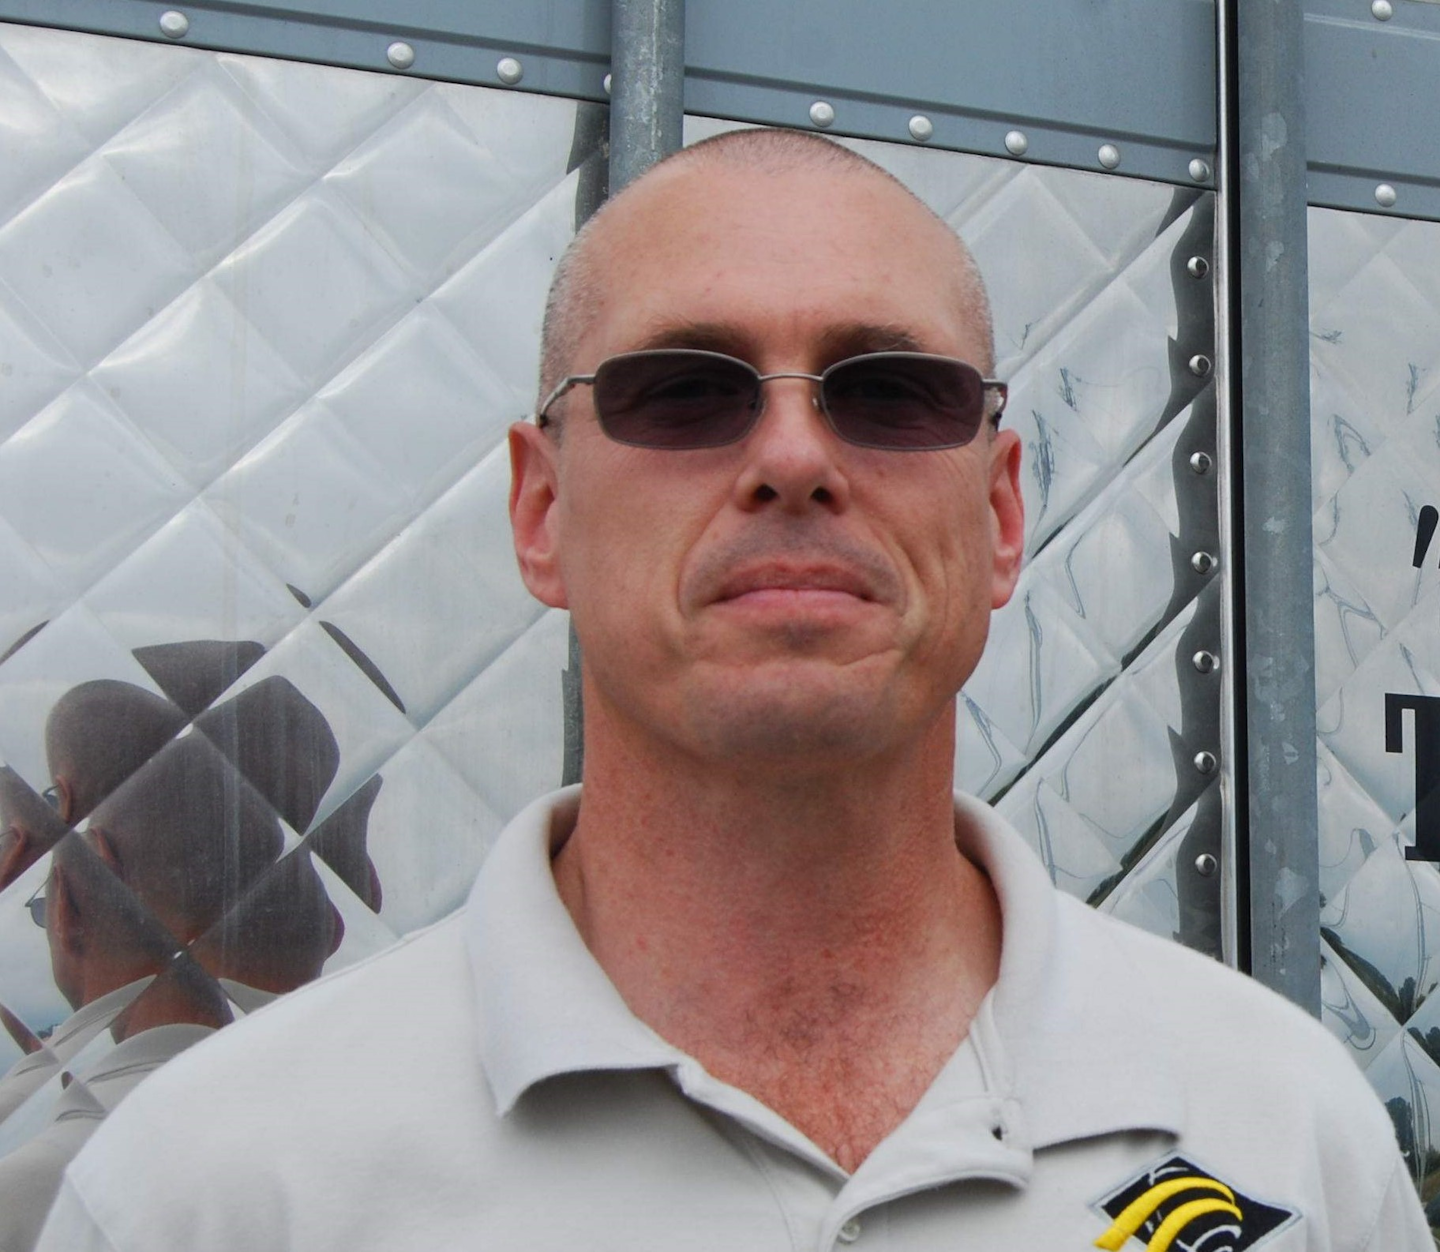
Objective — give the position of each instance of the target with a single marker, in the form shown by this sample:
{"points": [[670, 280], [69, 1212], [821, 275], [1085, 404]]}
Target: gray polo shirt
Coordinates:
{"points": [[482, 1085]]}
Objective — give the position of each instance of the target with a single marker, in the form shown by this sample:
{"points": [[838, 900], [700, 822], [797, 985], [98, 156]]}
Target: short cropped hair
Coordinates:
{"points": [[574, 290]]}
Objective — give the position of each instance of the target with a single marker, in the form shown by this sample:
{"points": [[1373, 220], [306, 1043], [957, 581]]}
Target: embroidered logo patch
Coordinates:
{"points": [[1176, 1205]]}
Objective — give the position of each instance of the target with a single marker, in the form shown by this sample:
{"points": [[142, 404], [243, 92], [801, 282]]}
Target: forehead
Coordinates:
{"points": [[781, 258]]}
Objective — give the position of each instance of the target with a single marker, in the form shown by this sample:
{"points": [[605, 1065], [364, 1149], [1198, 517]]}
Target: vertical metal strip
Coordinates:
{"points": [[1275, 494], [647, 117], [587, 154], [1235, 879], [647, 80]]}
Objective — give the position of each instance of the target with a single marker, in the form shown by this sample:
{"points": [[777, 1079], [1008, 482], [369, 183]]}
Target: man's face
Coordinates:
{"points": [[789, 596], [29, 827]]}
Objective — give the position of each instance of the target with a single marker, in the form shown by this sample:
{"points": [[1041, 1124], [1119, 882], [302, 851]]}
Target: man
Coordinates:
{"points": [[96, 736], [166, 856], [767, 985]]}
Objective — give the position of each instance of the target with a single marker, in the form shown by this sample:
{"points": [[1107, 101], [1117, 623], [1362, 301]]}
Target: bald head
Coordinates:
{"points": [[190, 835], [586, 273], [280, 933], [98, 734]]}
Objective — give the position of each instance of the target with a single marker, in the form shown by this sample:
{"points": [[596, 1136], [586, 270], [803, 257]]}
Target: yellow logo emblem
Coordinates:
{"points": [[1176, 1205]]}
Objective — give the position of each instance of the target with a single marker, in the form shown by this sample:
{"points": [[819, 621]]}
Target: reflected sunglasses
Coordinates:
{"points": [[35, 905], [684, 398]]}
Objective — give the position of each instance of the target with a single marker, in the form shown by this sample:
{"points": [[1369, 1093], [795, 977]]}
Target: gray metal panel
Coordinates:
{"points": [[1047, 68], [563, 45], [1373, 89], [975, 73]]}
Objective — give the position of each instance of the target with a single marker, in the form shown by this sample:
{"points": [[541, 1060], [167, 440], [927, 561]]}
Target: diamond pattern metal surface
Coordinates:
{"points": [[255, 391], [1375, 422]]}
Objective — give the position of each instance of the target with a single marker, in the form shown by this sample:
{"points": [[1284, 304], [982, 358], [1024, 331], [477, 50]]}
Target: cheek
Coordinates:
{"points": [[621, 545], [949, 559]]}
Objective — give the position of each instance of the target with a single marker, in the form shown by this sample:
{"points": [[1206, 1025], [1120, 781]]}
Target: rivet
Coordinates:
{"points": [[1199, 170], [1017, 142], [1109, 155], [1201, 462], [822, 113], [401, 55], [1202, 562], [921, 127], [1385, 195], [606, 84], [1200, 365], [1197, 267], [509, 71], [1382, 10], [1204, 661], [1206, 864], [174, 24], [1205, 762]]}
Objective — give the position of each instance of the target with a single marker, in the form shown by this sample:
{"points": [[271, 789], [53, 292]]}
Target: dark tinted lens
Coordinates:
{"points": [[904, 400], [675, 399]]}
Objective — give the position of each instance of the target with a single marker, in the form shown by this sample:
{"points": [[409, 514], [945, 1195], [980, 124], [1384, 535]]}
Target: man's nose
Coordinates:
{"points": [[793, 459]]}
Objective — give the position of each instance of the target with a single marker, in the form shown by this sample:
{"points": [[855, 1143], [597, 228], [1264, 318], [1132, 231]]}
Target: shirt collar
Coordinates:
{"points": [[1066, 1034], [80, 1027], [100, 1088], [546, 1006], [1063, 1038]]}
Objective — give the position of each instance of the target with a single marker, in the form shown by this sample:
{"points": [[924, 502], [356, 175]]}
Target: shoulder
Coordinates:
{"points": [[30, 1177], [1222, 1022], [327, 1074], [1270, 1097], [380, 1007]]}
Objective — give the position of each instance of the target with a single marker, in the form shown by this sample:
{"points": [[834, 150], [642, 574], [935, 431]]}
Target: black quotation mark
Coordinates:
{"points": [[1424, 533]]}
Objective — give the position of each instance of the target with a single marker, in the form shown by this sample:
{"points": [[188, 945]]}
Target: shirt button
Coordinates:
{"points": [[850, 1231]]}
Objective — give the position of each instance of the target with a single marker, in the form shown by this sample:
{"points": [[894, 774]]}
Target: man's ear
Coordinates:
{"points": [[65, 793], [337, 934], [104, 848], [534, 512], [63, 916], [1007, 507], [17, 854]]}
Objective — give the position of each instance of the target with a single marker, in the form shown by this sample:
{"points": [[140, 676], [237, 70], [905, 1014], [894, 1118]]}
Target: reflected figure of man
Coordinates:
{"points": [[280, 933], [764, 981], [164, 859], [96, 736]]}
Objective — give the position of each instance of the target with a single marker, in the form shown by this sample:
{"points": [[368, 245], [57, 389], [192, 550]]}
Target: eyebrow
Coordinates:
{"points": [[836, 342]]}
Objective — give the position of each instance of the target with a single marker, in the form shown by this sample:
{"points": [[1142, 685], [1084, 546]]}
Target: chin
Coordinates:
{"points": [[776, 726]]}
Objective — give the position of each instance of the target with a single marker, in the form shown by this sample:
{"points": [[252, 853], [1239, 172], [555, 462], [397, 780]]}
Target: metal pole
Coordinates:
{"points": [[647, 80], [647, 115], [1267, 55]]}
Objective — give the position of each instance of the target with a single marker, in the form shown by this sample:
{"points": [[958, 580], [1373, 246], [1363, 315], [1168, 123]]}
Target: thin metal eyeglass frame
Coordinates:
{"points": [[35, 905], [990, 386]]}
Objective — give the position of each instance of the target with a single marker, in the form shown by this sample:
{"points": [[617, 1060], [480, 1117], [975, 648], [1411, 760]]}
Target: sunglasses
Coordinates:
{"points": [[35, 905], [683, 398]]}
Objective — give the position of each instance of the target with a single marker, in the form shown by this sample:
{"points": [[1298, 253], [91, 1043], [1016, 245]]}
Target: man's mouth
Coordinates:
{"points": [[791, 583]]}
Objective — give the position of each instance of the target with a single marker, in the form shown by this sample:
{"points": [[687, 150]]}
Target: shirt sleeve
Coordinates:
{"points": [[1400, 1225], [70, 1228]]}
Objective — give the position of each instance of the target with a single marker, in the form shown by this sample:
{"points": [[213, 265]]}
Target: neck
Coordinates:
{"points": [[797, 932], [165, 1002]]}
